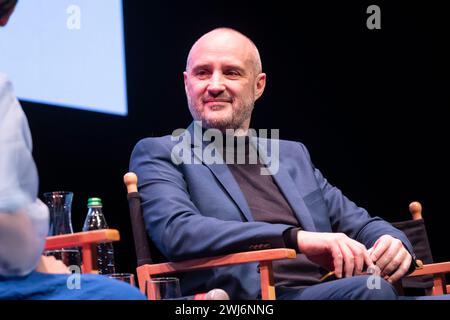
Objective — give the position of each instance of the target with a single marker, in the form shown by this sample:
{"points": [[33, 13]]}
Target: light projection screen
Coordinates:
{"points": [[67, 53]]}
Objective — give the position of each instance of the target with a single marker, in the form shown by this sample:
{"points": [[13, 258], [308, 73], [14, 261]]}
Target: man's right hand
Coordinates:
{"points": [[335, 252]]}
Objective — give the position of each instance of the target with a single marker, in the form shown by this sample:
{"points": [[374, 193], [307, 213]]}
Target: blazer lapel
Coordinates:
{"points": [[290, 191], [220, 171], [223, 174], [281, 177], [287, 187]]}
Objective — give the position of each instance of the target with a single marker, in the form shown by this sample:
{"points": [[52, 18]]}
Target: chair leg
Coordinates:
{"points": [[143, 277], [439, 283], [267, 282], [87, 258]]}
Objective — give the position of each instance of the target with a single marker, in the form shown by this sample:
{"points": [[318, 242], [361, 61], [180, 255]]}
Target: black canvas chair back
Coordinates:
{"points": [[416, 232], [146, 252]]}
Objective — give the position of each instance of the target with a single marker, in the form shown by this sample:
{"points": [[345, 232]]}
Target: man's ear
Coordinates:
{"points": [[185, 75], [260, 84]]}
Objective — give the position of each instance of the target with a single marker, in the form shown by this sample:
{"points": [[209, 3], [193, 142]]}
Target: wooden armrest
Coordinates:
{"points": [[264, 257], [432, 268], [219, 261], [80, 239], [84, 240]]}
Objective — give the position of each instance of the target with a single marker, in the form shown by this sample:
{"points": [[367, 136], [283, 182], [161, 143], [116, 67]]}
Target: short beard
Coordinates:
{"points": [[235, 122]]}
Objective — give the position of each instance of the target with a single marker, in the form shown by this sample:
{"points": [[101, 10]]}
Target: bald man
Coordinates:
{"points": [[198, 203], [225, 99]]}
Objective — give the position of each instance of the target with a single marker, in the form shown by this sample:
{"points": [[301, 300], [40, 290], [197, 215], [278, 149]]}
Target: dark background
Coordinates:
{"points": [[369, 104]]}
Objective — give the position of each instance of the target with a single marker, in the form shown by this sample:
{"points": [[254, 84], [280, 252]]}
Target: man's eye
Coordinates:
{"points": [[201, 73], [233, 73]]}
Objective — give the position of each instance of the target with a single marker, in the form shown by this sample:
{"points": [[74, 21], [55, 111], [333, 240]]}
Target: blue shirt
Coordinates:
{"points": [[18, 182]]}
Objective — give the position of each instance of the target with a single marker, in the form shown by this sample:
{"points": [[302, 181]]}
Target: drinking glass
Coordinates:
{"points": [[70, 256], [125, 277], [163, 288], [59, 204]]}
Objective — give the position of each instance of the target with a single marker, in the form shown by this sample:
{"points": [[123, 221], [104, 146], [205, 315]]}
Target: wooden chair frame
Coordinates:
{"points": [[85, 240], [436, 270]]}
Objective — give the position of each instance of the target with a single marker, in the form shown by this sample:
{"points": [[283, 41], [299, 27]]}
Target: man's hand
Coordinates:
{"points": [[391, 257], [335, 252], [51, 265]]}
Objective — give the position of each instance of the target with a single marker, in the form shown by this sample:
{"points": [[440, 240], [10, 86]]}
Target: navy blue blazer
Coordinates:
{"points": [[195, 209]]}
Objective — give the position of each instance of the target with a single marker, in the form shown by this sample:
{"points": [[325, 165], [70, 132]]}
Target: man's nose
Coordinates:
{"points": [[216, 85]]}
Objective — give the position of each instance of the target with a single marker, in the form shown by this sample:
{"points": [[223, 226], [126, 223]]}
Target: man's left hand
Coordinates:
{"points": [[389, 254]]}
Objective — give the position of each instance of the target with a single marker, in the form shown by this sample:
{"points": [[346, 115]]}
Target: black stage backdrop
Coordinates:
{"points": [[369, 104]]}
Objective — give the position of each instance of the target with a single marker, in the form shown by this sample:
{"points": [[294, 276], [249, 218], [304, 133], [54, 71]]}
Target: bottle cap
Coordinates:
{"points": [[94, 202]]}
